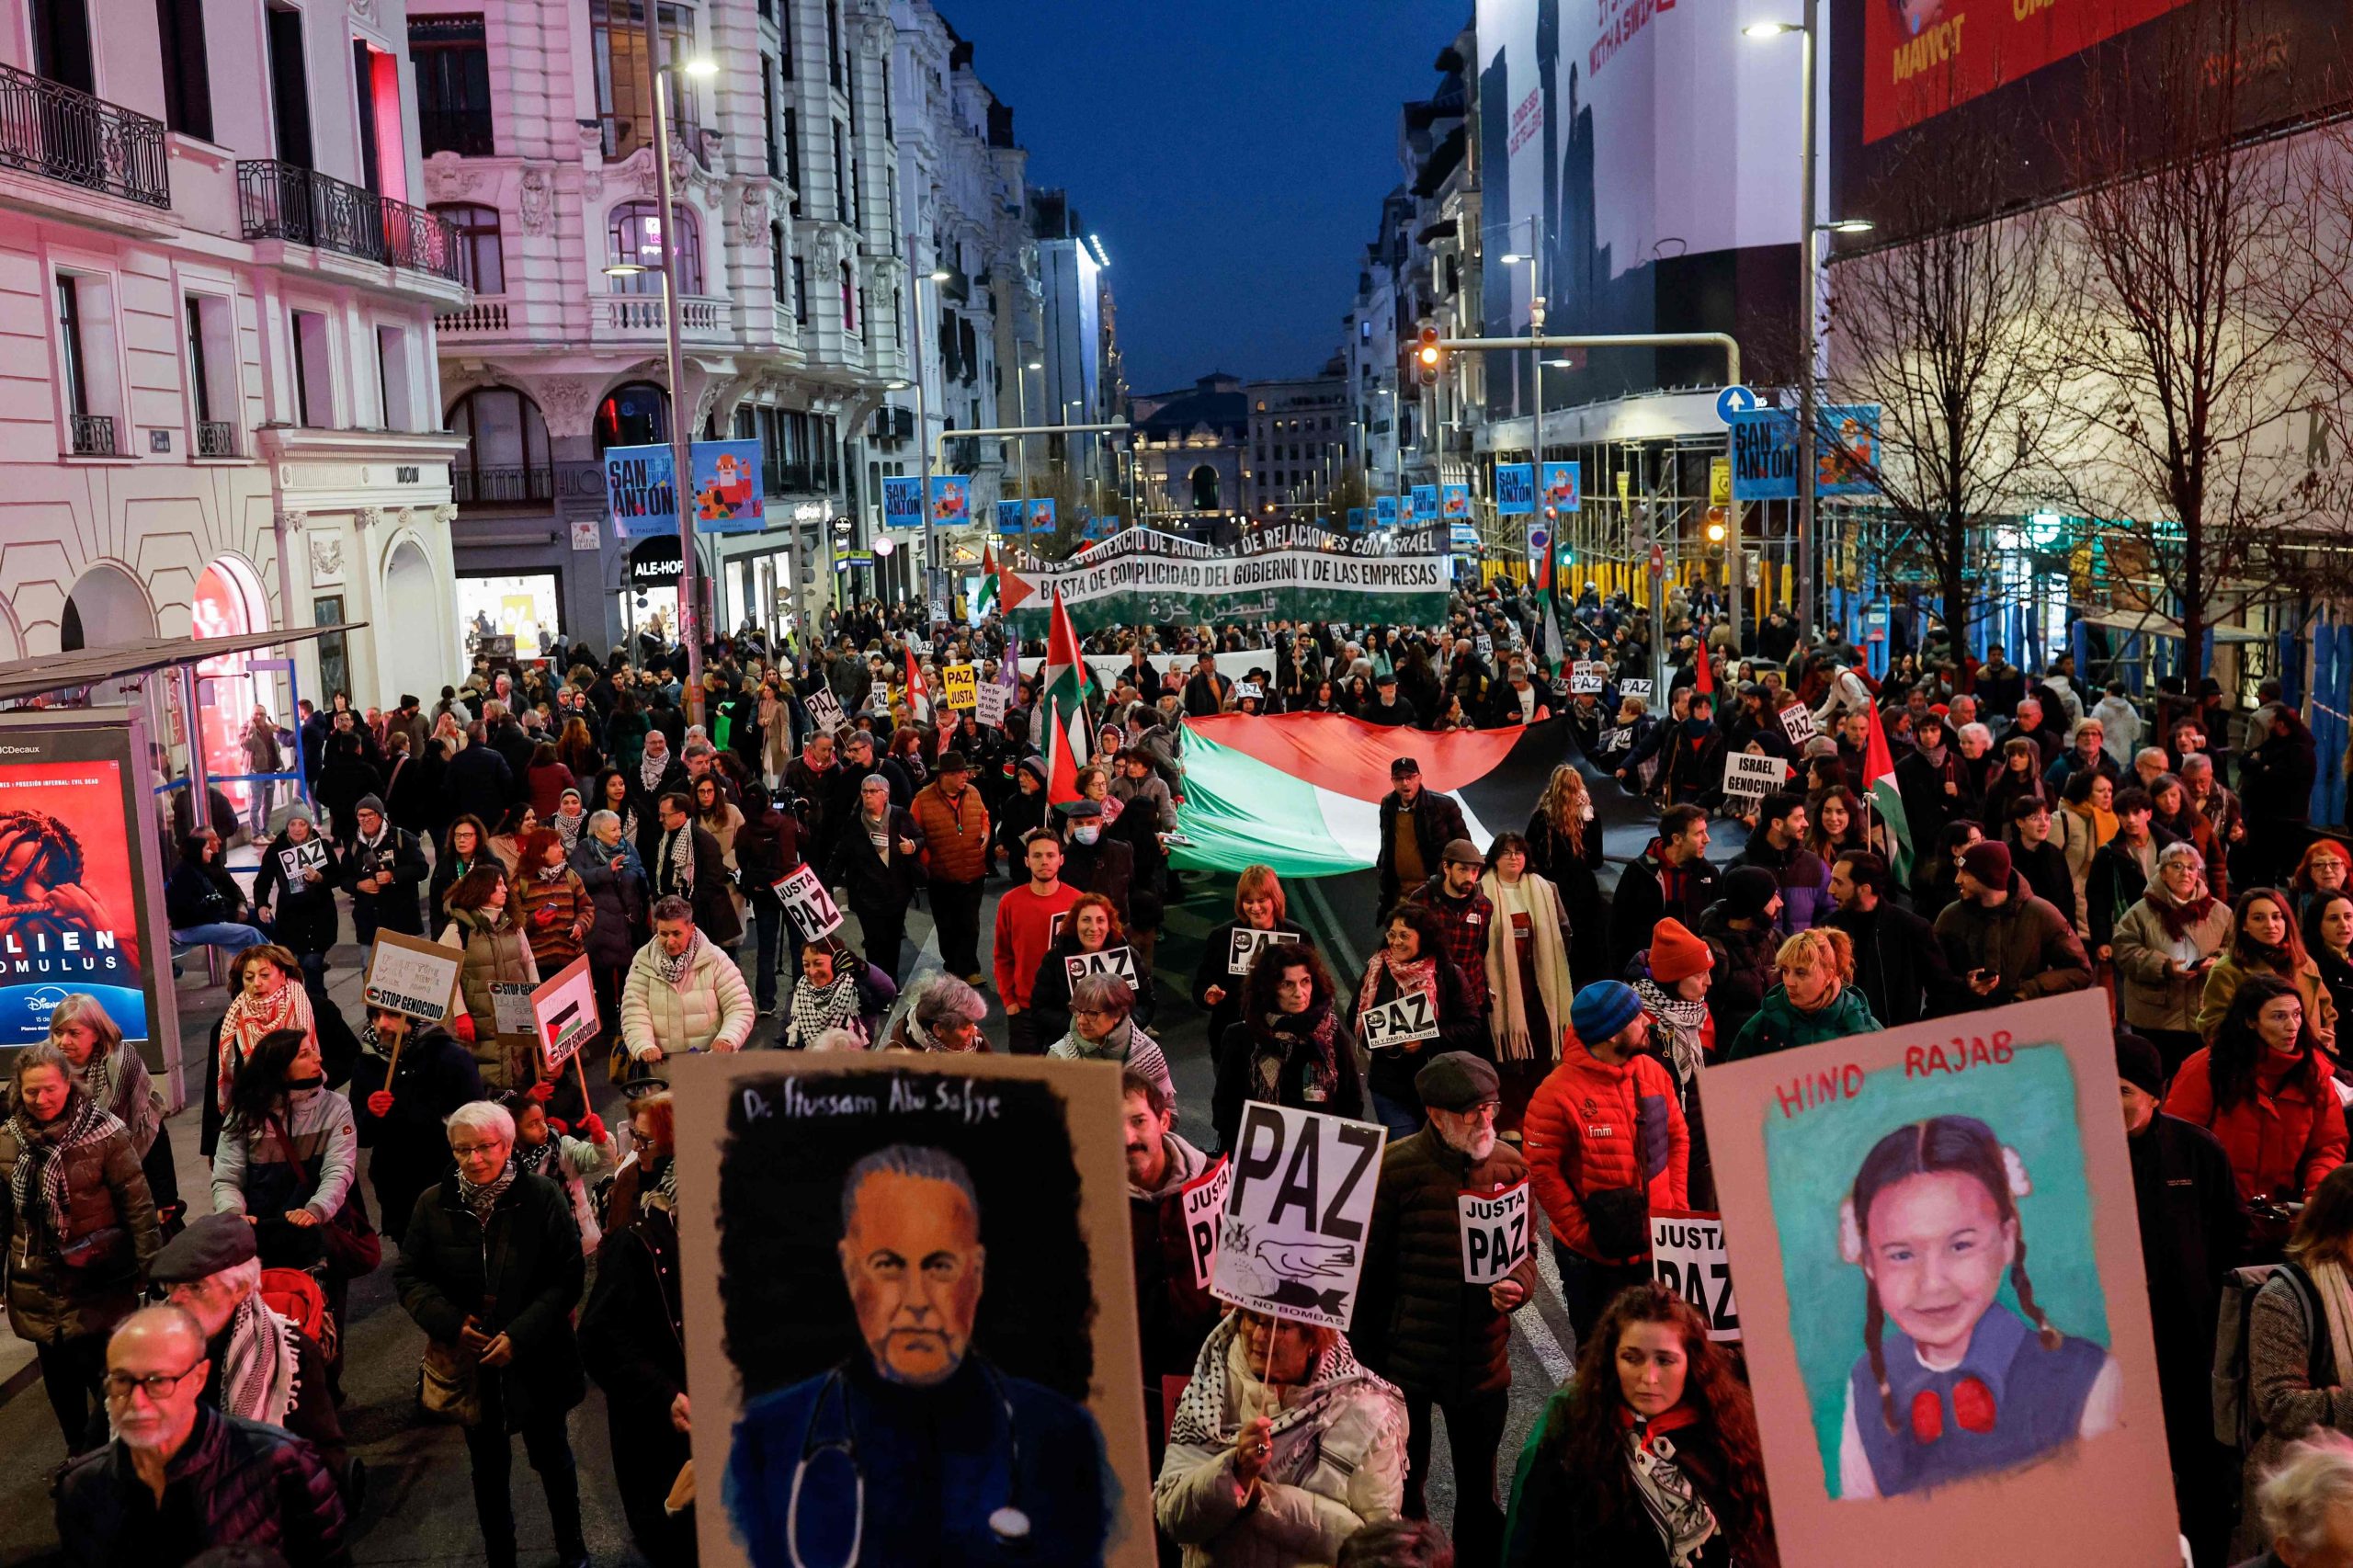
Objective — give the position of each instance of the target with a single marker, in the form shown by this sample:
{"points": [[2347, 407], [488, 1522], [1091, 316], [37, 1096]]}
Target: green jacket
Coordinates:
{"points": [[1779, 1026]]}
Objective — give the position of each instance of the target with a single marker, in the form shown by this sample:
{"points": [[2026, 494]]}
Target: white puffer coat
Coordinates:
{"points": [[709, 1009]]}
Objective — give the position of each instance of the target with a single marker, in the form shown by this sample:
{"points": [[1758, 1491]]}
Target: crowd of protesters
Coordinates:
{"points": [[2048, 837]]}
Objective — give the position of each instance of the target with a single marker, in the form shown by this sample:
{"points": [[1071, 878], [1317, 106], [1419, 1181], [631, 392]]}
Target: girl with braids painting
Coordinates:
{"points": [[1953, 1381]]}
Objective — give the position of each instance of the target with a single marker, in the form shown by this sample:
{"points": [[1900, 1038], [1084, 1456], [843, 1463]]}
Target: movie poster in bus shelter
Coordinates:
{"points": [[81, 896]]}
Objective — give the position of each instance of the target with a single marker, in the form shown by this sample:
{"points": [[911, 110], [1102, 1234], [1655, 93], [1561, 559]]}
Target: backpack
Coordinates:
{"points": [[2236, 1424], [294, 1295]]}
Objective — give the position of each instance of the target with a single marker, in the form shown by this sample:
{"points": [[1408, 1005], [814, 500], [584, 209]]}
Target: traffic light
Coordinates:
{"points": [[1427, 355], [1715, 525]]}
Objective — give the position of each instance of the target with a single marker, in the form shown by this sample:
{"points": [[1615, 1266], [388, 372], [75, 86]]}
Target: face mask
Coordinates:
{"points": [[1086, 833]]}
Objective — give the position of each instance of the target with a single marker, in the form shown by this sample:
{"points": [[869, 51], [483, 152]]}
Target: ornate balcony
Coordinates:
{"points": [[286, 201], [500, 485], [481, 316], [48, 128], [215, 438], [633, 317], [92, 434]]}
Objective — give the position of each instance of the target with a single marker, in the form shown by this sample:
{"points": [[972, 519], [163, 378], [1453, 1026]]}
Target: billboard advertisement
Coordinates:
{"points": [[1652, 147], [1943, 112], [80, 908]]}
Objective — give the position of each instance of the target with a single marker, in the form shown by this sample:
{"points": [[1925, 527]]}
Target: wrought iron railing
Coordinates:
{"points": [[465, 131], [52, 129], [92, 434], [216, 438], [286, 201], [512, 484]]}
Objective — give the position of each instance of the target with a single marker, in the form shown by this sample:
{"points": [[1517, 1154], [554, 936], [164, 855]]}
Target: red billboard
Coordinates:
{"points": [[1923, 57]]}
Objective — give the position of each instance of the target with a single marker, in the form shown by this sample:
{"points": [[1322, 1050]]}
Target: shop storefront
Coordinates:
{"points": [[525, 606]]}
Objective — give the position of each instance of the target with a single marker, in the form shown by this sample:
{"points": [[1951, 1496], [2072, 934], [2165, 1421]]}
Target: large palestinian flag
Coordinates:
{"points": [[1302, 792]]}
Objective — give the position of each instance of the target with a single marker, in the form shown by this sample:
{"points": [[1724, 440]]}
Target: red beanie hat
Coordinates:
{"points": [[1676, 953]]}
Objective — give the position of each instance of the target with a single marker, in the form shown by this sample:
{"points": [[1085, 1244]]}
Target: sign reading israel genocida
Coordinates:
{"points": [[1288, 572]]}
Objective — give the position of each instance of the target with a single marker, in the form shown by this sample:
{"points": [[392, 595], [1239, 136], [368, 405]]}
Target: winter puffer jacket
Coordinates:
{"points": [[547, 910], [620, 898], [2023, 940], [709, 1009], [239, 1483], [263, 1170], [540, 1271], [2153, 998], [1779, 1025], [497, 956], [2282, 1139], [1591, 1128], [1417, 1324], [108, 1212], [955, 832]]}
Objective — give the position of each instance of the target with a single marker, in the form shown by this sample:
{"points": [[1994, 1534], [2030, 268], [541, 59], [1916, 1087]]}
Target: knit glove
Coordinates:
{"points": [[591, 1128], [461, 1028], [379, 1104], [542, 1091]]}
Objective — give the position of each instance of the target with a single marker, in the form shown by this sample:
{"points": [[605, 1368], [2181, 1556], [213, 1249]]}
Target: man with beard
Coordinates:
{"points": [[1173, 1313], [264, 1367], [1418, 1323], [916, 1448]]}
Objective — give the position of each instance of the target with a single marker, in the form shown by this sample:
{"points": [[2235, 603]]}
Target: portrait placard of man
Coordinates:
{"points": [[907, 1297]]}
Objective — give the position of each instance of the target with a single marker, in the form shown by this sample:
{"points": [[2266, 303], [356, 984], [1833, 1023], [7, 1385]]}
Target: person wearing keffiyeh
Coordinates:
{"points": [[1281, 1449], [1648, 1455], [81, 1231]]}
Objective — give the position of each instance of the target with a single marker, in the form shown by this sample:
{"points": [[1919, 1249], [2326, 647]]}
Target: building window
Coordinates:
{"points": [[634, 415], [635, 229], [800, 291], [393, 397], [777, 283], [313, 370], [212, 374], [506, 449], [841, 181], [850, 300], [187, 82], [452, 63], [793, 153], [482, 264], [72, 360], [834, 39], [617, 40], [767, 118]]}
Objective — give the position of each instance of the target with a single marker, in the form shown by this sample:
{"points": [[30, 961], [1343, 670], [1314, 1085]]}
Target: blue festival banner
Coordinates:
{"points": [[903, 502], [1765, 452], [1042, 514], [1454, 502], [1425, 503], [1355, 519], [1008, 516], [640, 488], [952, 499], [1514, 489], [1386, 510], [1564, 488]]}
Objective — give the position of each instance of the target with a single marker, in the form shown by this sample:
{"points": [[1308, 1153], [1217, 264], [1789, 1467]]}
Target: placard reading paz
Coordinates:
{"points": [[811, 909], [1291, 1241], [1687, 1257], [1630, 687], [961, 683], [1588, 675], [1120, 961], [1409, 1017], [1242, 949], [1494, 1232], [825, 711], [1797, 722], [1203, 1200]]}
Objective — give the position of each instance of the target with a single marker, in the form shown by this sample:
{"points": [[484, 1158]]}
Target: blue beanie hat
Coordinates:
{"points": [[1602, 1009]]}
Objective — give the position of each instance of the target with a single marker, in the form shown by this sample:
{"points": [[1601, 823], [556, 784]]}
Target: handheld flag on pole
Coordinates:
{"points": [[1063, 679], [989, 596], [1880, 790], [1066, 752], [918, 695]]}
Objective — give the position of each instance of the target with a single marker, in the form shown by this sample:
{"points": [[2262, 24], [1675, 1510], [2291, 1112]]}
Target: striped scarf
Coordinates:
{"points": [[40, 1170]]}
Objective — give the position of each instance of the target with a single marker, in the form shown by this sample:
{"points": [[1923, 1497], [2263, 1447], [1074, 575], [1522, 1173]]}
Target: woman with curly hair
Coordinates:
{"points": [[265, 994], [1647, 1455], [1289, 1047], [1565, 848], [1413, 959]]}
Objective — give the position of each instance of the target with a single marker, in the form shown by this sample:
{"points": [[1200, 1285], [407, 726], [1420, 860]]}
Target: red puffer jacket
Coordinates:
{"points": [[1591, 1127], [2283, 1140]]}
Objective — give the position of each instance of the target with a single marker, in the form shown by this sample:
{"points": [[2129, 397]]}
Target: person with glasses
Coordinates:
{"points": [[509, 1325], [179, 1477], [1442, 1341]]}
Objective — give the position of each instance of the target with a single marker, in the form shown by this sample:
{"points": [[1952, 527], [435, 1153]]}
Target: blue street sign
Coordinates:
{"points": [[1734, 399]]}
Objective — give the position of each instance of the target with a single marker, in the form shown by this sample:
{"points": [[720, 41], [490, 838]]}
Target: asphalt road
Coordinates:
{"points": [[419, 1507]]}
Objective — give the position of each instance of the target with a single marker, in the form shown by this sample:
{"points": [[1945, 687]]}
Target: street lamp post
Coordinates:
{"points": [[1809, 267], [1535, 260], [937, 275], [1021, 414]]}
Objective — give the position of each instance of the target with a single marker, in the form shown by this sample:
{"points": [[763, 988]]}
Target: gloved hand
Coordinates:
{"points": [[461, 1028], [542, 1091], [379, 1104], [558, 1126], [591, 1128]]}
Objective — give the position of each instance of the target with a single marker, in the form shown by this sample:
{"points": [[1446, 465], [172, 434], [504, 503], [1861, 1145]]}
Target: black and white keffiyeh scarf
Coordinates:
{"points": [[650, 767], [484, 1198], [40, 1171], [816, 1009], [1226, 1393], [673, 971], [682, 859], [1684, 1019], [1683, 1518], [259, 1378]]}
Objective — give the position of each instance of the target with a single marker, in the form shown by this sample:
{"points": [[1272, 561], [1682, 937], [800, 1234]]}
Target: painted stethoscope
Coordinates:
{"points": [[1008, 1524]]}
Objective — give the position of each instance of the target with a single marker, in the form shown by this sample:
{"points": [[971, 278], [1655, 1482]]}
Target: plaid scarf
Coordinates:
{"points": [[41, 1147], [1421, 975]]}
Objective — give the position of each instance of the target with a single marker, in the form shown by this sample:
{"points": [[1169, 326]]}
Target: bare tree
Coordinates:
{"points": [[1941, 329], [2189, 259]]}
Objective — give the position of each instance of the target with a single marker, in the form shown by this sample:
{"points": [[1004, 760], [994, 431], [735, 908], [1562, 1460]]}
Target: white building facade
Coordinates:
{"points": [[218, 294], [792, 297]]}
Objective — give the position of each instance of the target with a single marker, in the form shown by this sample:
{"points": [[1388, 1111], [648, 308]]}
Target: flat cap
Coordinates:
{"points": [[215, 1242], [1457, 1081]]}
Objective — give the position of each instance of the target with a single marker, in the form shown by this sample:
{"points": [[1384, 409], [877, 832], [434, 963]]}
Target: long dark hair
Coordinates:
{"points": [[260, 1086], [2291, 944], [1586, 1437], [1965, 1146], [2237, 1048]]}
